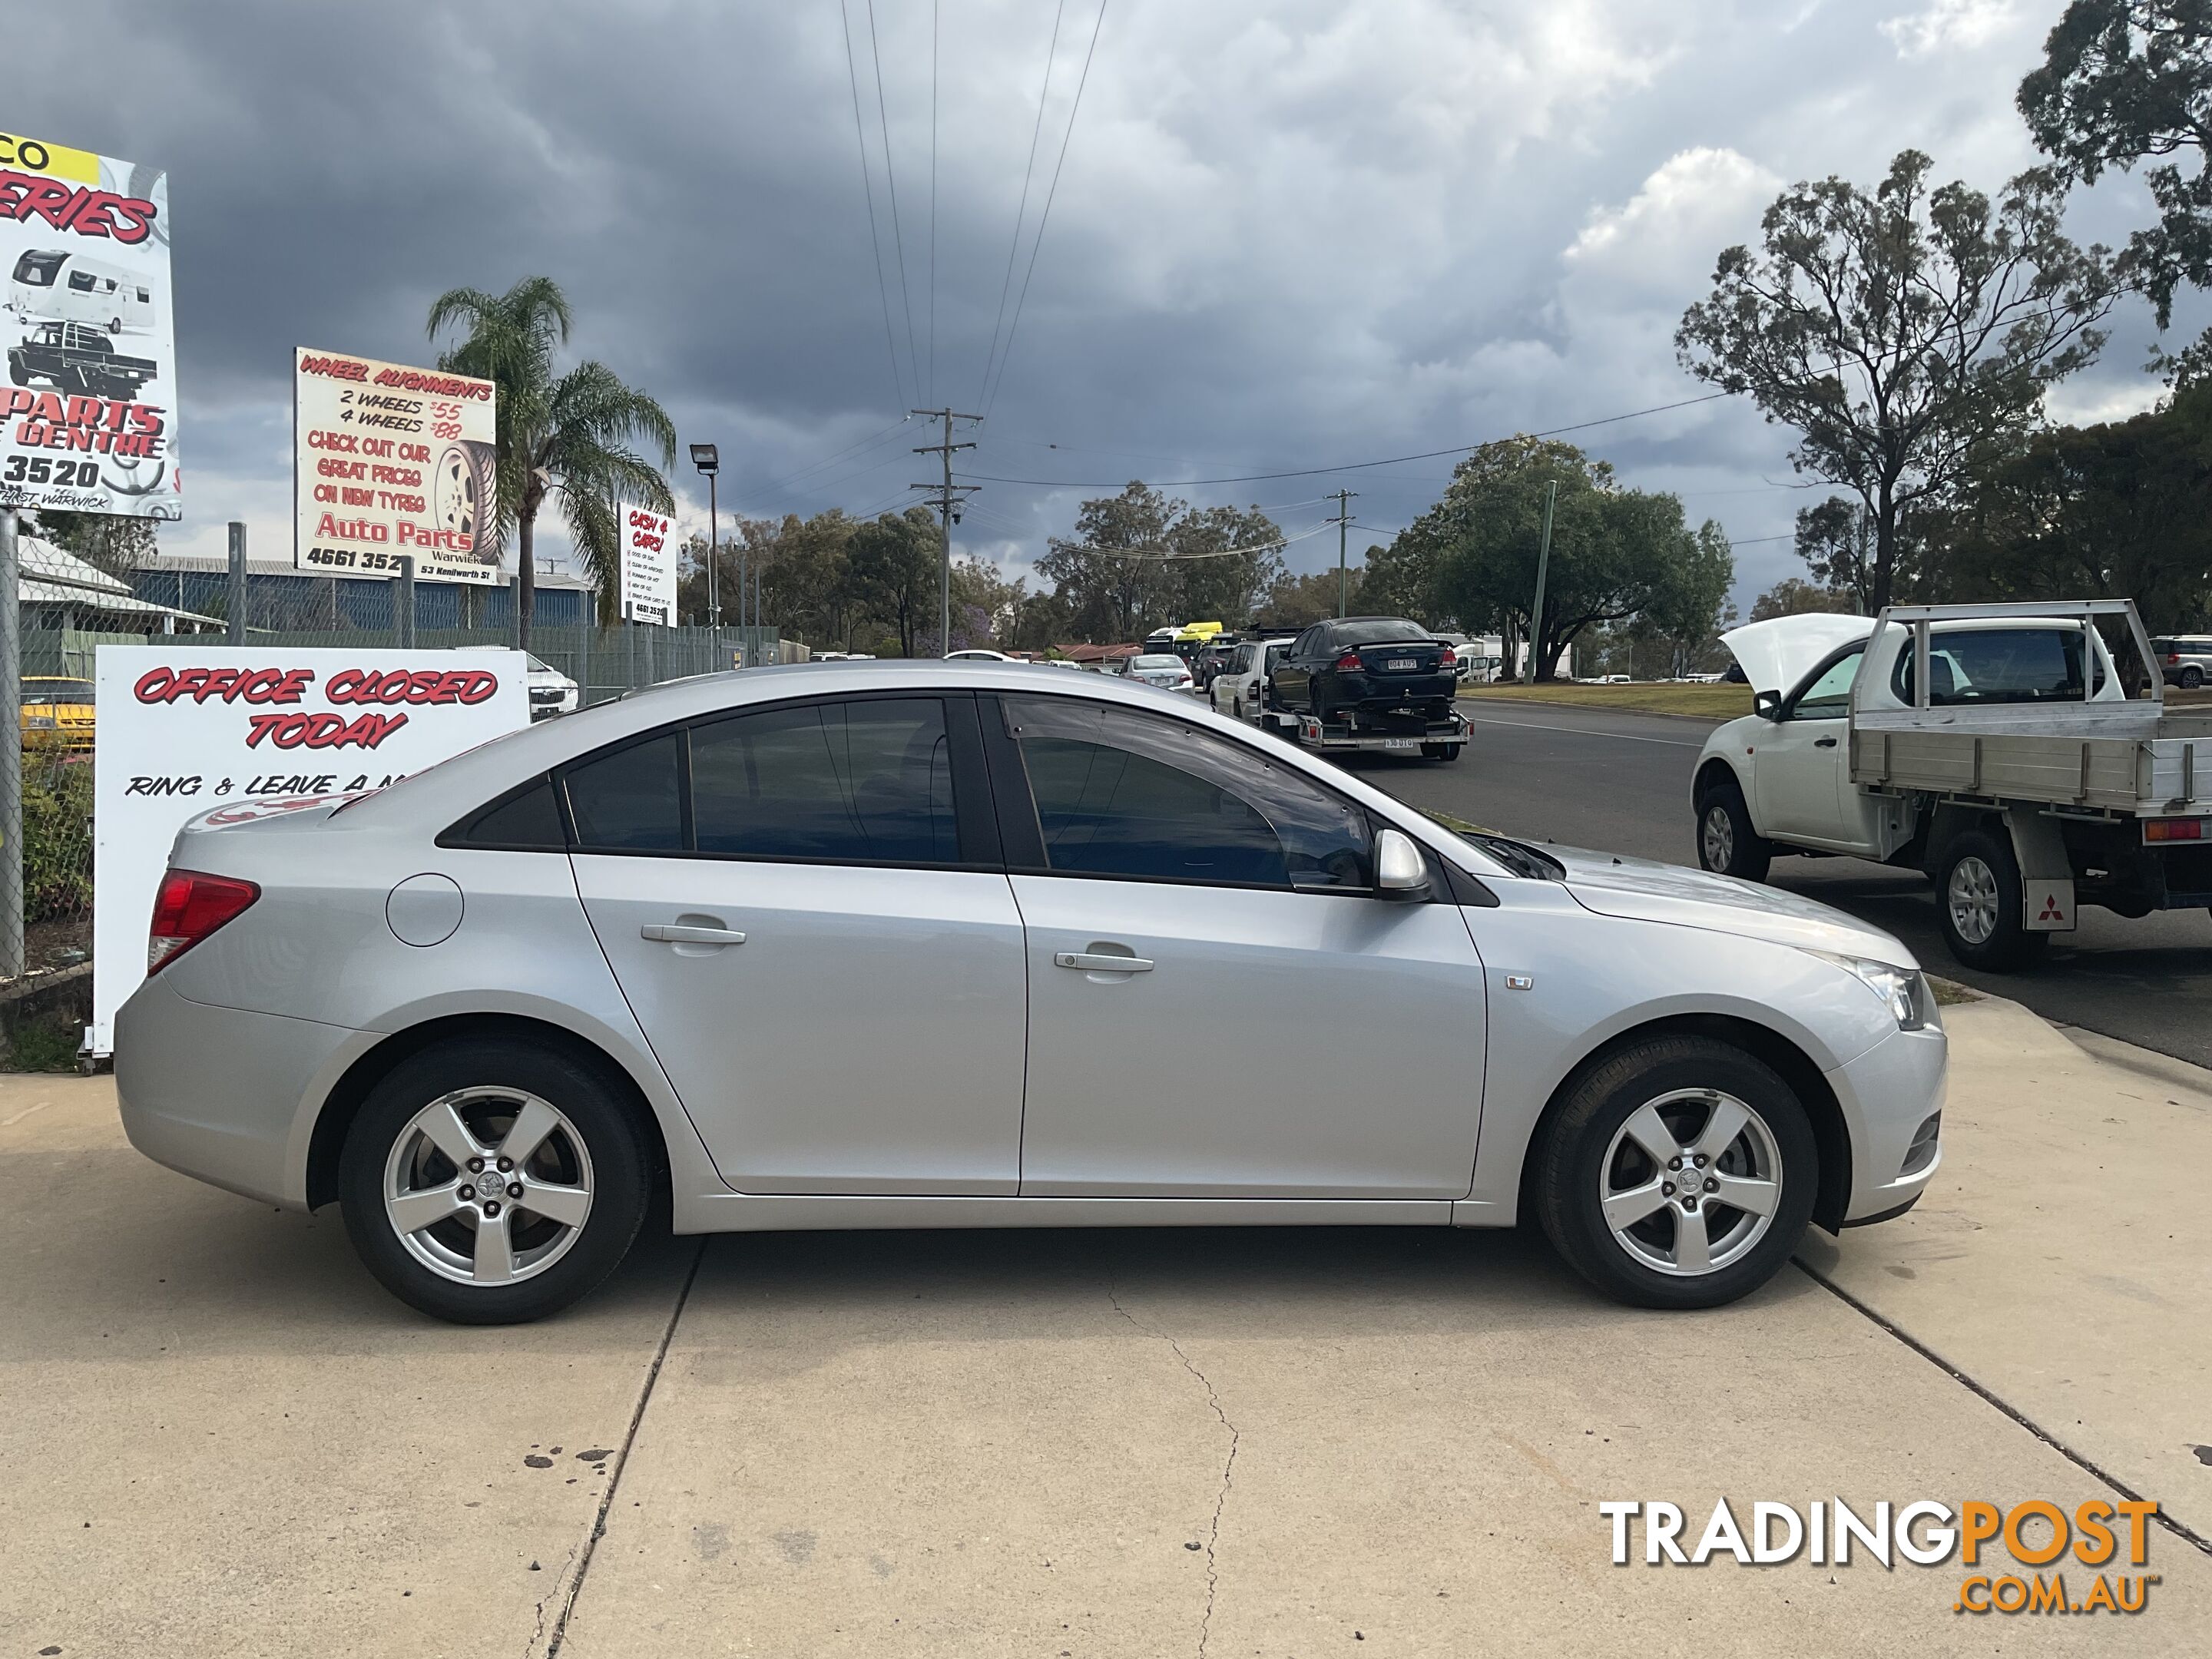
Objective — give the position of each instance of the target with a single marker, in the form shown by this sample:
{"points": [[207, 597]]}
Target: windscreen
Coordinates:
{"points": [[36, 268]]}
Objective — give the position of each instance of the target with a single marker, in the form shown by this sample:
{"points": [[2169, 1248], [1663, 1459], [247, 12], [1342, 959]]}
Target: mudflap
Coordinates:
{"points": [[2046, 876]]}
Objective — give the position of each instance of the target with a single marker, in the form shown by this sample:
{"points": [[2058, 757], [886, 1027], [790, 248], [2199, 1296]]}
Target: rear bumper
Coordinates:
{"points": [[1887, 1094], [226, 1096]]}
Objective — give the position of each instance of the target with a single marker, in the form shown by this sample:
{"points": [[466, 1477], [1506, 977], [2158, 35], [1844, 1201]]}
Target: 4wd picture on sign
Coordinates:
{"points": [[390, 462], [88, 418]]}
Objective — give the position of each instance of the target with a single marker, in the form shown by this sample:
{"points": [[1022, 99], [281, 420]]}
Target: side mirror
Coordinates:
{"points": [[1401, 871], [1767, 704]]}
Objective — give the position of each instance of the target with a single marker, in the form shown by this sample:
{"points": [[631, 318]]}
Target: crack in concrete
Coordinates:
{"points": [[1228, 1467]]}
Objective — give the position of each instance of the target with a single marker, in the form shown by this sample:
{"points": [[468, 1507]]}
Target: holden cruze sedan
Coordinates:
{"points": [[886, 946]]}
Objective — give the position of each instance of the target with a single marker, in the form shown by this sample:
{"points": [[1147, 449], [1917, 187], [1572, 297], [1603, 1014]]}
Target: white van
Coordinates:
{"points": [[61, 285]]}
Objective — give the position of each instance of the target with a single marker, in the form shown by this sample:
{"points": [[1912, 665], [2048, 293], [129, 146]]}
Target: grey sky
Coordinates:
{"points": [[1287, 235]]}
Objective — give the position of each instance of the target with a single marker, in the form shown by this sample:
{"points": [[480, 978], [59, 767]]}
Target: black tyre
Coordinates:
{"points": [[1440, 751], [1728, 845], [1679, 1173], [2191, 679], [1980, 903], [542, 1231]]}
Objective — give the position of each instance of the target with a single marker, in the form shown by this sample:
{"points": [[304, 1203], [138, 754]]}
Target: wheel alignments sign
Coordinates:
{"points": [[88, 417], [390, 462]]}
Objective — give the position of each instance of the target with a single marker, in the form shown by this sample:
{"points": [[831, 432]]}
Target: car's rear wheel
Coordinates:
{"points": [[2191, 679], [1981, 904], [1728, 845], [1680, 1173], [488, 1182]]}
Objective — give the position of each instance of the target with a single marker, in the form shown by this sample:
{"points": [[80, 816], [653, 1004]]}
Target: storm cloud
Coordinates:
{"points": [[1286, 236]]}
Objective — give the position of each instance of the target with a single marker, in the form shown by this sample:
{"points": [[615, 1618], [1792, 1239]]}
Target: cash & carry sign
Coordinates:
{"points": [[390, 462], [87, 415], [185, 732], [648, 566]]}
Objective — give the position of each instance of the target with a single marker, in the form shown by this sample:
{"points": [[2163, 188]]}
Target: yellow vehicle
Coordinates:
{"points": [[57, 713]]}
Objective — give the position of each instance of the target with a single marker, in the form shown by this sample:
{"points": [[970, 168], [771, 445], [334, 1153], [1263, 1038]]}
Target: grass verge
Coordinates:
{"points": [[1714, 703]]}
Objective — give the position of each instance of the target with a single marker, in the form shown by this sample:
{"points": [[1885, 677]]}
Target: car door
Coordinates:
{"points": [[1801, 772], [1290, 678], [1279, 1031], [806, 909]]}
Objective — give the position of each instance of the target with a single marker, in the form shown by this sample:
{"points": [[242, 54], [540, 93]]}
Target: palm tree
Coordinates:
{"points": [[559, 434]]}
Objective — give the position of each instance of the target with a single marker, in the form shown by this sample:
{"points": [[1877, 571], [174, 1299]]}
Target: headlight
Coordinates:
{"points": [[1904, 989]]}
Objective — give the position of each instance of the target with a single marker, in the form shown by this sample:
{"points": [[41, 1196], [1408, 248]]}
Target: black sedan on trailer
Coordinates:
{"points": [[1378, 672]]}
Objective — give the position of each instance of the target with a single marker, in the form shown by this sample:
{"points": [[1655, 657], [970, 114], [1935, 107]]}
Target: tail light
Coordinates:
{"points": [[1349, 662], [1449, 659], [2173, 659], [189, 907], [2157, 829]]}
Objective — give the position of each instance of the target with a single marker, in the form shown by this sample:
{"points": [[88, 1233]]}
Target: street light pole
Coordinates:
{"points": [[708, 459]]}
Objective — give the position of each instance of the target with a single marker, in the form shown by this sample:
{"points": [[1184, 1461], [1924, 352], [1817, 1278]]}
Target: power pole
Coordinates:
{"points": [[1543, 570], [1343, 518], [947, 501]]}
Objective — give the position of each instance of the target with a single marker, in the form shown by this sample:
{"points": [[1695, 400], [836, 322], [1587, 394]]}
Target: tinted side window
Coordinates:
{"points": [[867, 782], [629, 800], [530, 821], [1119, 793]]}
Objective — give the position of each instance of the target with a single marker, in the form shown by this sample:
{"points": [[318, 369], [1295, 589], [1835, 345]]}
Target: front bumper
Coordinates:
{"points": [[226, 1096], [1887, 1094]]}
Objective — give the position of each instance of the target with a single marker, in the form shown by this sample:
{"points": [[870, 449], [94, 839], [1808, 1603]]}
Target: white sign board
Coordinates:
{"points": [[649, 567], [183, 731], [388, 463], [89, 414]]}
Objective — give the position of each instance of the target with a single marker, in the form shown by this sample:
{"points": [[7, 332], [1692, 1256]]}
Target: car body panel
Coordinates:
{"points": [[1218, 1100], [921, 1092]]}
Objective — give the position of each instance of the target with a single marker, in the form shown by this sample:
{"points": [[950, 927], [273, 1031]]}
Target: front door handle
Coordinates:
{"points": [[1088, 962], [1824, 743], [664, 933]]}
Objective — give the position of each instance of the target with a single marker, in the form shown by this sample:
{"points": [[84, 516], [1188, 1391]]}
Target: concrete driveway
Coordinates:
{"points": [[221, 1438]]}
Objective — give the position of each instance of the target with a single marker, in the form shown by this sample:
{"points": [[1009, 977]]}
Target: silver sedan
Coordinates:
{"points": [[888, 945]]}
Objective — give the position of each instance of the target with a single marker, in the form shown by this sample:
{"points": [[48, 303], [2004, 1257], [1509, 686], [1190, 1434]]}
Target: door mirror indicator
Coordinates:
{"points": [[1401, 871]]}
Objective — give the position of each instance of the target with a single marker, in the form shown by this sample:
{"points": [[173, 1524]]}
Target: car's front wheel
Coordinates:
{"points": [[1680, 1173], [2191, 679], [1728, 845], [489, 1182]]}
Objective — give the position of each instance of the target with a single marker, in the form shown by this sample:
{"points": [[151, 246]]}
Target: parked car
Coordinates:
{"points": [[551, 691], [1160, 668], [58, 714], [2185, 660], [892, 946], [1211, 663], [1379, 672], [1237, 690], [977, 654]]}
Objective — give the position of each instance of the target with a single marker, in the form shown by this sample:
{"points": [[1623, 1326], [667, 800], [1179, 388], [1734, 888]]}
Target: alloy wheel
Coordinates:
{"points": [[1719, 837], [1691, 1182], [1971, 896], [454, 488], [488, 1186]]}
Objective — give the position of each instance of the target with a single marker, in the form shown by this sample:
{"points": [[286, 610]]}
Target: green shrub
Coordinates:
{"points": [[57, 840]]}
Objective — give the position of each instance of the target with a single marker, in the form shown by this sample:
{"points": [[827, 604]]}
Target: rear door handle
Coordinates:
{"points": [[1824, 743], [664, 933], [1089, 962]]}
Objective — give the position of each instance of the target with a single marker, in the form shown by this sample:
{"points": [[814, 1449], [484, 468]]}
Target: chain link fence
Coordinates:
{"points": [[70, 607]]}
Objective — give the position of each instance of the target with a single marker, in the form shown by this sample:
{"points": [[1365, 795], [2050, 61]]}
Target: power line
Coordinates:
{"points": [[791, 478], [898, 239], [1007, 283], [1357, 466], [1045, 217], [868, 188]]}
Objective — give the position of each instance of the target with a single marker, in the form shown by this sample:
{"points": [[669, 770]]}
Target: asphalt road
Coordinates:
{"points": [[1621, 782]]}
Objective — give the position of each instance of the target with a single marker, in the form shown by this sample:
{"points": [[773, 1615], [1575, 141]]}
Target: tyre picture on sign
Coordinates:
{"points": [[87, 415], [388, 463]]}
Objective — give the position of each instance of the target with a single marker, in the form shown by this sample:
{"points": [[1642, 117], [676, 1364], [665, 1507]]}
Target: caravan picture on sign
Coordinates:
{"points": [[88, 417]]}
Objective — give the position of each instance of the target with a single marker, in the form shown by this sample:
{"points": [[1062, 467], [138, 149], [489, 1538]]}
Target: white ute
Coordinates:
{"points": [[1968, 742]]}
